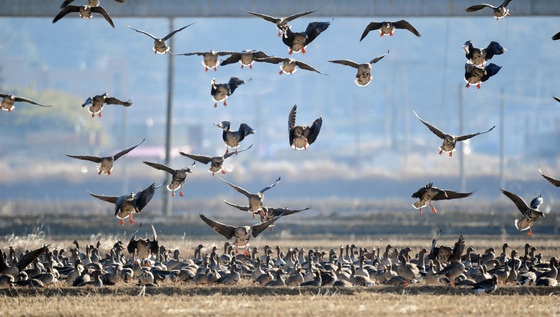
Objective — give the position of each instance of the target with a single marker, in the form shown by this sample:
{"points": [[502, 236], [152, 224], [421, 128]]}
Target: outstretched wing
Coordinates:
{"points": [[168, 36], [270, 186], [518, 201], [121, 153], [346, 62], [233, 58], [143, 197], [258, 228], [30, 256], [30, 101], [199, 158], [553, 181], [403, 24], [314, 29], [292, 122], [371, 26], [104, 13], [468, 136], [65, 11], [143, 32], [449, 194], [160, 167], [109, 199], [244, 208], [479, 7], [115, 101], [314, 130], [274, 212], [269, 18], [225, 230], [305, 66], [435, 130], [95, 159], [237, 188], [378, 58]]}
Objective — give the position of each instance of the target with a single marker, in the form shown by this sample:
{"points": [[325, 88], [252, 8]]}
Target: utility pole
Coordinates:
{"points": [[461, 131], [167, 205], [502, 134]]}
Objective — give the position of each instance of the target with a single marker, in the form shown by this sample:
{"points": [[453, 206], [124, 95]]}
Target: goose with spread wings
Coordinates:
{"points": [[449, 141], [475, 75], [8, 100], [129, 204], [178, 176], [245, 58], [242, 234], [279, 21], [302, 136], [500, 11], [530, 213], [255, 199], [298, 41], [288, 65], [160, 47], [86, 12], [221, 91], [267, 213], [98, 101], [232, 138], [429, 192], [551, 180], [387, 28], [363, 76], [209, 58], [216, 162], [107, 162], [479, 56]]}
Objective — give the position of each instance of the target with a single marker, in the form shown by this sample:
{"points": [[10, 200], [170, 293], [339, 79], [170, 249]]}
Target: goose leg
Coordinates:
{"points": [[440, 151], [433, 208], [467, 85], [130, 219], [478, 86], [303, 50], [225, 103], [223, 172], [121, 222], [215, 105], [172, 194], [450, 153], [530, 232], [181, 193]]}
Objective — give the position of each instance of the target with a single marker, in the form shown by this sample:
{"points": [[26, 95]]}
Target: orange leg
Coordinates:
{"points": [[225, 103], [215, 105], [172, 194], [181, 193], [478, 86], [279, 34], [467, 85], [290, 52], [122, 222], [450, 153], [280, 72], [303, 50], [250, 66], [93, 115], [433, 208], [391, 34], [205, 69], [223, 172], [530, 232], [215, 68]]}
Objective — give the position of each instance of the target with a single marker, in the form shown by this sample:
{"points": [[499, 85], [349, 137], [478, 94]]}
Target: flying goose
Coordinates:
{"points": [[159, 43], [500, 11], [297, 41], [531, 213], [93, 3], [449, 141], [220, 92], [216, 162], [302, 136], [233, 138], [288, 65], [8, 101], [210, 58], [128, 204], [98, 101], [556, 36], [363, 76], [280, 21], [388, 28], [476, 75], [245, 57], [143, 248], [478, 56], [178, 176], [255, 199], [267, 213], [85, 12], [428, 193], [242, 234], [106, 161]]}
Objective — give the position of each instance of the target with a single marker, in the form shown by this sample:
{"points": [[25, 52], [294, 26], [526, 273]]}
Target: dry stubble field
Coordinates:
{"points": [[248, 300]]}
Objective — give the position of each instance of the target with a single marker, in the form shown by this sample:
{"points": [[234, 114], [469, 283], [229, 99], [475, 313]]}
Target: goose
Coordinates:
{"points": [[242, 234], [245, 58], [159, 43], [429, 193], [387, 28], [143, 248], [500, 11], [209, 58], [8, 100], [127, 205], [85, 12], [216, 162], [486, 286], [288, 65], [278, 280], [315, 282], [232, 138], [98, 101], [107, 162], [266, 213], [452, 271], [302, 136], [20, 264], [178, 176], [220, 92], [255, 199], [449, 140], [530, 213], [551, 180], [280, 21], [479, 56], [475, 75], [363, 75], [298, 41]]}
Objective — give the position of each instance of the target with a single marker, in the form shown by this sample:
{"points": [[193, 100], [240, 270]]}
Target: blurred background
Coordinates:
{"points": [[372, 152]]}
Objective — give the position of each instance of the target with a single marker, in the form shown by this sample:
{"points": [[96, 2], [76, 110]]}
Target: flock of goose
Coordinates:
{"points": [[146, 262], [150, 263]]}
